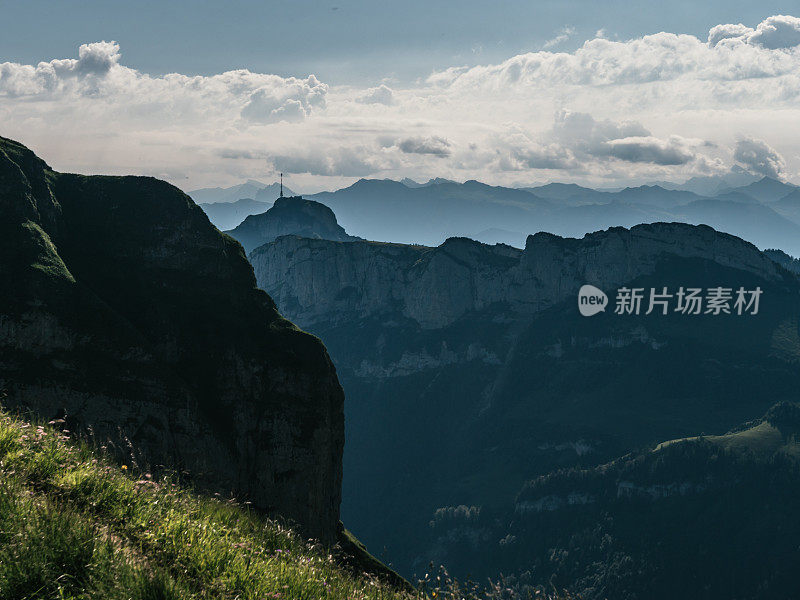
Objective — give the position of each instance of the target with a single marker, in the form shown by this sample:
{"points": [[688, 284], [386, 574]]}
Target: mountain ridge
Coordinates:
{"points": [[478, 357]]}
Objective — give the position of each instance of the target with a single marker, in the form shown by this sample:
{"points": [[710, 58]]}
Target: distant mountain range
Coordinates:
{"points": [[227, 215], [764, 211], [255, 190]]}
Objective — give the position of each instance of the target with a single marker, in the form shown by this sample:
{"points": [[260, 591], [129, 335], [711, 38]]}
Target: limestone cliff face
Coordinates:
{"points": [[290, 216], [126, 309], [319, 280], [469, 369]]}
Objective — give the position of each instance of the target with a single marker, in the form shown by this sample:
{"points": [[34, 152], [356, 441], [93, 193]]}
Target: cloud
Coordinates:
{"points": [[290, 101], [563, 36], [628, 141], [97, 58], [377, 95], [726, 32], [94, 61], [532, 155], [758, 157], [583, 132], [780, 31], [436, 146], [577, 141], [662, 106], [347, 162], [732, 52], [776, 32], [649, 149]]}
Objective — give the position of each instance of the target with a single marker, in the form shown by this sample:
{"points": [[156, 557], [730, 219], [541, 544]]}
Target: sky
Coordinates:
{"points": [[513, 93]]}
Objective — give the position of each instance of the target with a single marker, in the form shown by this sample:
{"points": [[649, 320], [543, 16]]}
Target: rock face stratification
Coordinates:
{"points": [[126, 310], [290, 216], [469, 369], [316, 280]]}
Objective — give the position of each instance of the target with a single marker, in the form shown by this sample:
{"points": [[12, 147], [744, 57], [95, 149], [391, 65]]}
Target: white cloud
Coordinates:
{"points": [[758, 157], [290, 100], [577, 140], [563, 36], [729, 31], [648, 149], [382, 94], [434, 145], [779, 31], [666, 105], [347, 162]]}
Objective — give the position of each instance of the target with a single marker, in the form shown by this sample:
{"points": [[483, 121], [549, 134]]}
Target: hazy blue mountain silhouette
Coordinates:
{"points": [[249, 189], [562, 191], [392, 211], [227, 215], [766, 189], [789, 206], [712, 185], [433, 181]]}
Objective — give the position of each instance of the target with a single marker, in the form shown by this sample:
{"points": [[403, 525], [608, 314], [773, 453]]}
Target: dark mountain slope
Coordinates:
{"points": [[134, 317], [701, 517], [290, 216], [469, 369]]}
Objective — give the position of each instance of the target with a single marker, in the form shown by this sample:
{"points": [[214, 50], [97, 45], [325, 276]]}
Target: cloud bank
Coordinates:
{"points": [[667, 105]]}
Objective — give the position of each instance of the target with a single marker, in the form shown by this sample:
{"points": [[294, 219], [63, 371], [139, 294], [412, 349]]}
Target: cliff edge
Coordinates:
{"points": [[127, 313]]}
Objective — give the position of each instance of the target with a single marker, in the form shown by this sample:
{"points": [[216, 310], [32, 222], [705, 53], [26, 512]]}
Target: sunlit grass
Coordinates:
{"points": [[75, 525]]}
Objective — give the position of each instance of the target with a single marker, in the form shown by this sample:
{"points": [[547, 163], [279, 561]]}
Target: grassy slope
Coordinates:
{"points": [[74, 525]]}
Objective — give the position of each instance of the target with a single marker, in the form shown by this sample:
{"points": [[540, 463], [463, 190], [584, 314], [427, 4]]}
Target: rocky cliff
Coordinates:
{"points": [[290, 216], [126, 312], [469, 369], [316, 280]]}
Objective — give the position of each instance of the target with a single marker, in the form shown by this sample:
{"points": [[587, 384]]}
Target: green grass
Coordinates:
{"points": [[74, 525]]}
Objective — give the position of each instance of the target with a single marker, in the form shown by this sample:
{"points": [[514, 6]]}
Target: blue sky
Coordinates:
{"points": [[515, 93]]}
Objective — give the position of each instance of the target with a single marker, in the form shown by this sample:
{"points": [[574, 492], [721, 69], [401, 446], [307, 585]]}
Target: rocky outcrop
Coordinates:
{"points": [[320, 280], [128, 312], [290, 216]]}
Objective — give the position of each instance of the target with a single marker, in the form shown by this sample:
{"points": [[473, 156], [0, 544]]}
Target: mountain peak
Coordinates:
{"points": [[290, 215]]}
